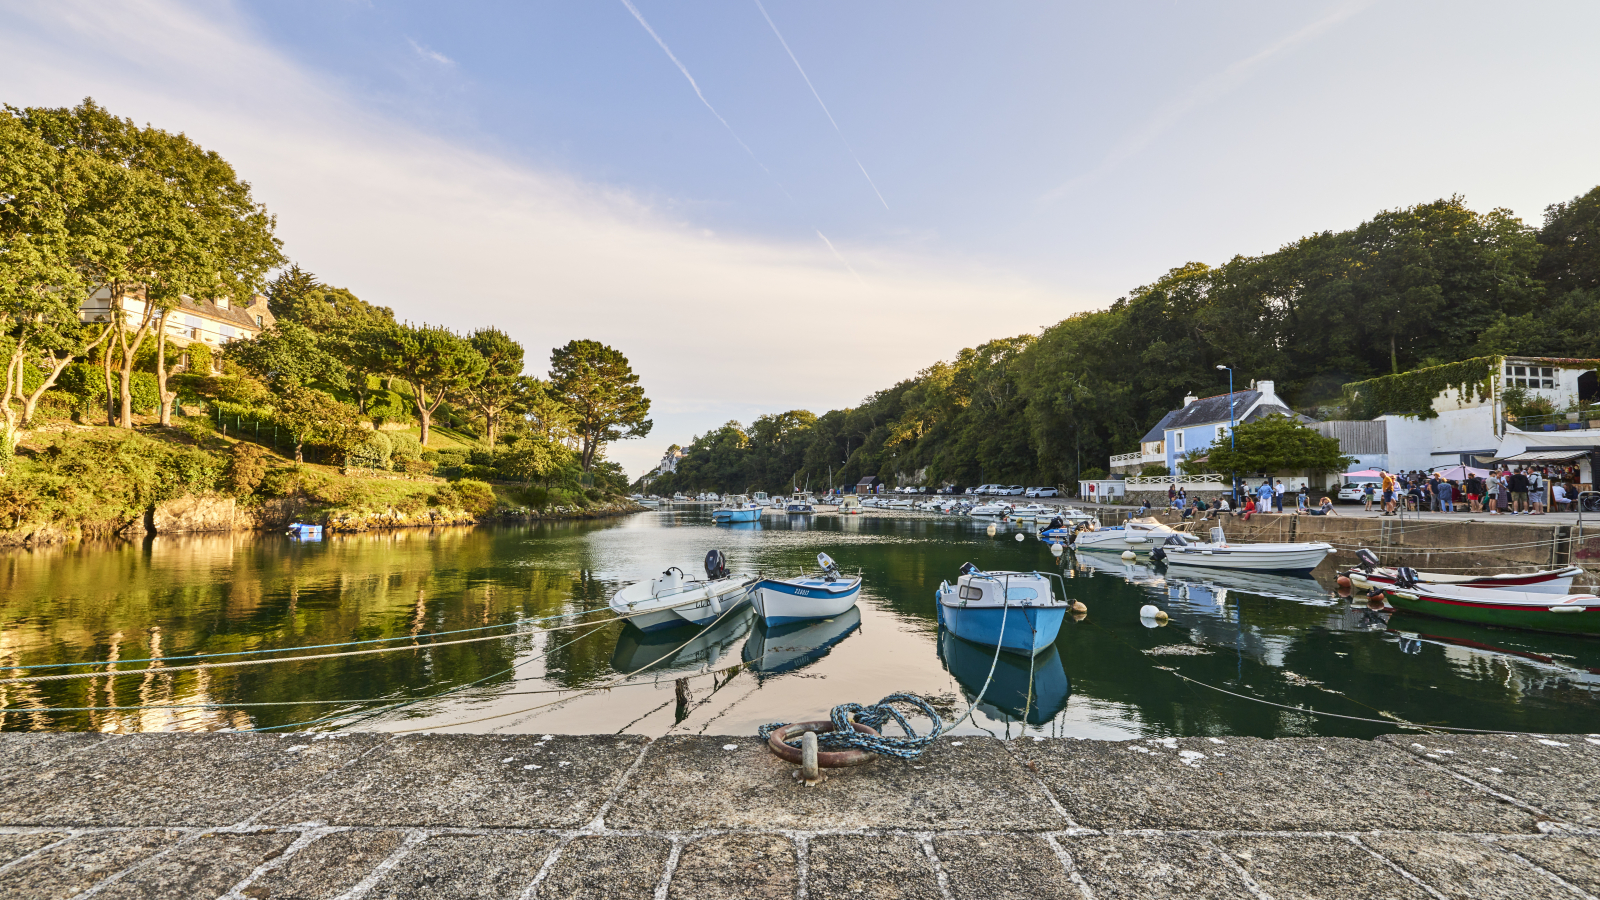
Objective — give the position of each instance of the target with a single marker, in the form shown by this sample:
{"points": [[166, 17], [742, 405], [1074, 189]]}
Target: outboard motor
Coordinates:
{"points": [[716, 565], [830, 569], [1369, 560], [968, 568], [1056, 522], [1157, 555], [1406, 577]]}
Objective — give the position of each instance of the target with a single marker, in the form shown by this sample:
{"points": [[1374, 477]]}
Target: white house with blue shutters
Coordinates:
{"points": [[1201, 422]]}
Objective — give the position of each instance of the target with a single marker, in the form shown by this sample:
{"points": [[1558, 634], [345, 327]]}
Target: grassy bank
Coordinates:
{"points": [[71, 481]]}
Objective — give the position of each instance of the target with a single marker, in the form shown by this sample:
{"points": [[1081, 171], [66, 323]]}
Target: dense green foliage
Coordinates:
{"points": [[1413, 392], [1428, 288], [1272, 444]]}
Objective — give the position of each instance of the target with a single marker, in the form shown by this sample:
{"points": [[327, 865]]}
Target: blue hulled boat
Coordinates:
{"points": [[1017, 611]]}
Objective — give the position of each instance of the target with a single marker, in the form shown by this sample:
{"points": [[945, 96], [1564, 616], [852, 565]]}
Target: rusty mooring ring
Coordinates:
{"points": [[826, 759]]}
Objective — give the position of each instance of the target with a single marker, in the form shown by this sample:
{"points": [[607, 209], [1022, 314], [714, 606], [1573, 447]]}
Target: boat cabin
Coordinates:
{"points": [[996, 588]]}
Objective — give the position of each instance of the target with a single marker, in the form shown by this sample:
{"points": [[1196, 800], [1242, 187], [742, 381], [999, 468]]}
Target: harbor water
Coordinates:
{"points": [[1262, 654]]}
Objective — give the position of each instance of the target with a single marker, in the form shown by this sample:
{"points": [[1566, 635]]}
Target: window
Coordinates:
{"points": [[258, 322], [1177, 441], [1021, 593], [968, 592], [1530, 376]]}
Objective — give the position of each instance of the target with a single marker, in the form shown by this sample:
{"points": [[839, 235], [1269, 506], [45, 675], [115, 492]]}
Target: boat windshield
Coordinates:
{"points": [[1021, 593]]}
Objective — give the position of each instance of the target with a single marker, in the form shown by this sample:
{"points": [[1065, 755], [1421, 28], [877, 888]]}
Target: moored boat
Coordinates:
{"points": [[1283, 558], [850, 505], [1368, 575], [1017, 611], [782, 600], [736, 510], [1138, 535], [1526, 610], [799, 504], [674, 598]]}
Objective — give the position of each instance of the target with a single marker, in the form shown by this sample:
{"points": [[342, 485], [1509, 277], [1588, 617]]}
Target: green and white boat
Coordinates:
{"points": [[1530, 611]]}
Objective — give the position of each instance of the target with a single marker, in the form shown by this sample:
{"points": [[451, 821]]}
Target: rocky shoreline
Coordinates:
{"points": [[216, 514]]}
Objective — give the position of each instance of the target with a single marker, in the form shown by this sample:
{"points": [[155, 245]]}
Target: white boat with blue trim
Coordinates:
{"points": [[803, 597], [675, 599], [736, 509], [1017, 611]]}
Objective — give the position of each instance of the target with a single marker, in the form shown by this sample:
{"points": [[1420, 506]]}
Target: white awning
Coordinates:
{"points": [[1544, 456]]}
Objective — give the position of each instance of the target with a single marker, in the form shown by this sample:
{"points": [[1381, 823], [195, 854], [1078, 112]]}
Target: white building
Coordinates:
{"points": [[669, 462], [1199, 423], [1475, 430], [211, 322]]}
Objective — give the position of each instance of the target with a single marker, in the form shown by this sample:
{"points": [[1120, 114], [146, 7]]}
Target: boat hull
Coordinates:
{"points": [[1552, 581], [773, 649], [782, 602], [1521, 616], [1017, 629], [700, 604], [730, 516], [1279, 559]]}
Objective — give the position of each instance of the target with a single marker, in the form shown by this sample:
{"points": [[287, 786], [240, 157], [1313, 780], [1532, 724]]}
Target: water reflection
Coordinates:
{"points": [[1290, 641]]}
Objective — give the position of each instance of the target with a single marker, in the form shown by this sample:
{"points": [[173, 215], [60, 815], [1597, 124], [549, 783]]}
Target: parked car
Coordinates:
{"points": [[1013, 490], [1041, 492], [1354, 489]]}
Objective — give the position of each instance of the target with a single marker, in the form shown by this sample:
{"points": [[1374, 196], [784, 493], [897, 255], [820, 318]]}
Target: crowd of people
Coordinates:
{"points": [[1512, 491]]}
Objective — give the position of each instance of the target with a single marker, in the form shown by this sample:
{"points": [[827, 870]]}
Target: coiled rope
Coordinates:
{"points": [[875, 716]]}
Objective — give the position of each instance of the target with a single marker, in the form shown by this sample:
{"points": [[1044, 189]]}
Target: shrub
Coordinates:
{"points": [[467, 495], [247, 466], [414, 466], [1148, 471], [404, 446], [376, 452]]}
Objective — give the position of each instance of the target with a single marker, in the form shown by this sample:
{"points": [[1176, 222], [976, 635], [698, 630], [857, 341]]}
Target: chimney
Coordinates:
{"points": [[222, 303], [1189, 399], [1267, 393]]}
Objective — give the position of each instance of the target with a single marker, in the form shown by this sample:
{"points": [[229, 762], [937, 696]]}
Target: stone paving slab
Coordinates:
{"points": [[15, 846], [603, 867], [1465, 868], [1289, 784], [1314, 867], [686, 818], [472, 781], [205, 867], [1143, 867], [327, 867], [870, 867], [19, 750], [466, 867], [1557, 774], [83, 862], [736, 867], [1573, 859], [171, 779], [973, 782], [980, 867]]}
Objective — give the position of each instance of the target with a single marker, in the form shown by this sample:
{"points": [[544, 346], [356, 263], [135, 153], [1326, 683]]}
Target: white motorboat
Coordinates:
{"points": [[674, 599], [1369, 575], [799, 504], [850, 505], [1138, 535], [901, 503], [782, 600], [1217, 553], [991, 510]]}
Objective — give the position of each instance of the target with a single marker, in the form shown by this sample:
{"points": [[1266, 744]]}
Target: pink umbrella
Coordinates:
{"points": [[1461, 473]]}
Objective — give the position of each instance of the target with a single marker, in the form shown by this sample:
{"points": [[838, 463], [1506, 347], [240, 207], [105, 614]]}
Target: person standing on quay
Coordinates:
{"points": [[1518, 482], [1277, 496], [1388, 494], [1264, 496]]}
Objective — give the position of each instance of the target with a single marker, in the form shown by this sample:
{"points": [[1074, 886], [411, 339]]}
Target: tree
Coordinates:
{"points": [[286, 353], [600, 388], [501, 386], [1274, 444], [163, 219], [435, 363], [315, 417]]}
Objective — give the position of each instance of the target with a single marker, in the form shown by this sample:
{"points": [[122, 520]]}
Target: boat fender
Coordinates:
{"points": [[1375, 602], [1020, 537], [991, 529], [1078, 607], [1057, 550], [1566, 609], [1403, 595], [1129, 554], [1343, 581]]}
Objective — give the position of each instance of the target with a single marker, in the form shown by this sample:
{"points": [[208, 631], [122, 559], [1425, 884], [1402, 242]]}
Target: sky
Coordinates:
{"points": [[776, 205]]}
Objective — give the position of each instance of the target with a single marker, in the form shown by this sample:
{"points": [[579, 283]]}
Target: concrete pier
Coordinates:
{"points": [[523, 816]]}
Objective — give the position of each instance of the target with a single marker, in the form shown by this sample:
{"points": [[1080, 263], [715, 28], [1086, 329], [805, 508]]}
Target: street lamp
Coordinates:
{"points": [[1234, 476]]}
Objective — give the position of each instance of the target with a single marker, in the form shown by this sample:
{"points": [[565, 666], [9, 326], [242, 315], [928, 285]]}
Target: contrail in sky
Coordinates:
{"points": [[692, 83], [814, 93], [668, 50], [840, 258]]}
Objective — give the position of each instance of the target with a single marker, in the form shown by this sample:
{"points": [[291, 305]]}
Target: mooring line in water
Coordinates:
{"points": [[163, 670], [614, 683], [119, 662], [1315, 712]]}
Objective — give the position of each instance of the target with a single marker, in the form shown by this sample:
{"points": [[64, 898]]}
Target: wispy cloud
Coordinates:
{"points": [[835, 124], [443, 232], [1202, 93], [431, 55], [840, 257]]}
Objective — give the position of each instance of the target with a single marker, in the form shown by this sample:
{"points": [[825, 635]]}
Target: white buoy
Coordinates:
{"points": [[1057, 549], [1152, 615], [1129, 554], [1020, 537], [991, 529]]}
